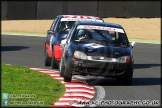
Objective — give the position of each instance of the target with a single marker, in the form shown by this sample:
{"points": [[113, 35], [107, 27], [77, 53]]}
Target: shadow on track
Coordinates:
{"points": [[12, 48], [141, 66], [101, 81]]}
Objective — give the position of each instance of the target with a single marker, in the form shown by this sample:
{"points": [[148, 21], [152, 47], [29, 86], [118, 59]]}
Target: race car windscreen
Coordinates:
{"points": [[100, 34], [65, 26]]}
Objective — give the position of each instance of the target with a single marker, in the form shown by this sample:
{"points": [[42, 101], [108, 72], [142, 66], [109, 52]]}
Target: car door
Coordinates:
{"points": [[52, 28], [67, 44]]}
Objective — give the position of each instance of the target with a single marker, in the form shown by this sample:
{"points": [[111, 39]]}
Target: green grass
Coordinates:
{"points": [[19, 80]]}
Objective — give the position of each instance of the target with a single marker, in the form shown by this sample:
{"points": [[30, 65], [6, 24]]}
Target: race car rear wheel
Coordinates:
{"points": [[67, 74], [54, 62], [47, 59]]}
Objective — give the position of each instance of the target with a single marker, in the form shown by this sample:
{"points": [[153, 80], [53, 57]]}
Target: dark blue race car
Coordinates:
{"points": [[57, 32], [97, 49]]}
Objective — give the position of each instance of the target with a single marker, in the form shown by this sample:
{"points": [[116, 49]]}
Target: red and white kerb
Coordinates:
{"points": [[100, 28], [79, 17]]}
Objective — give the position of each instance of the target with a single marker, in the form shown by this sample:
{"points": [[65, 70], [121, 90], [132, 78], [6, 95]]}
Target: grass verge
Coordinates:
{"points": [[36, 86]]}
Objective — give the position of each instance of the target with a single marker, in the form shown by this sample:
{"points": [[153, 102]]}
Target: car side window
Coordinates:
{"points": [[71, 32], [58, 24], [54, 24], [72, 28]]}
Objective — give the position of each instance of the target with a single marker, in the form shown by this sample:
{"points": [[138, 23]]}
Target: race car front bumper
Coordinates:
{"points": [[100, 68]]}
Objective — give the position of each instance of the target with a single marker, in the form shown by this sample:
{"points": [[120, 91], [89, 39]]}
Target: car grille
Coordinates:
{"points": [[107, 56], [100, 58]]}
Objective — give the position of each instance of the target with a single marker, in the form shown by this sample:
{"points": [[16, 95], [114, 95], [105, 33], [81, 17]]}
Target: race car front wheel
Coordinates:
{"points": [[67, 74], [128, 79], [62, 68], [54, 62], [47, 59]]}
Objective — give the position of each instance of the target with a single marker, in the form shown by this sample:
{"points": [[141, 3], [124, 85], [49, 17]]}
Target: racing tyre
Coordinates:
{"points": [[128, 80], [47, 59], [62, 68], [54, 62], [67, 74]]}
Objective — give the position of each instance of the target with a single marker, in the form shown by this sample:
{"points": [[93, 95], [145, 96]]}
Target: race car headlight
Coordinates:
{"points": [[80, 55], [124, 59]]}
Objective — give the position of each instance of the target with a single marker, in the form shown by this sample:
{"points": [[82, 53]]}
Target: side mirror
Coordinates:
{"points": [[51, 32], [132, 44]]}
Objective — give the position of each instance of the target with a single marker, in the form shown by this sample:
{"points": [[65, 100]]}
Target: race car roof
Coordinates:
{"points": [[80, 17], [106, 24], [100, 26]]}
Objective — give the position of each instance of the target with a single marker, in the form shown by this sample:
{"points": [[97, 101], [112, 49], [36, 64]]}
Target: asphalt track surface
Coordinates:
{"points": [[146, 86]]}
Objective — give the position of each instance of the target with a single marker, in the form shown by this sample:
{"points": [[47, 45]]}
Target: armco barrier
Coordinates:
{"points": [[83, 8], [143, 9], [50, 9], [4, 7], [111, 9], [127, 9], [26, 10]]}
